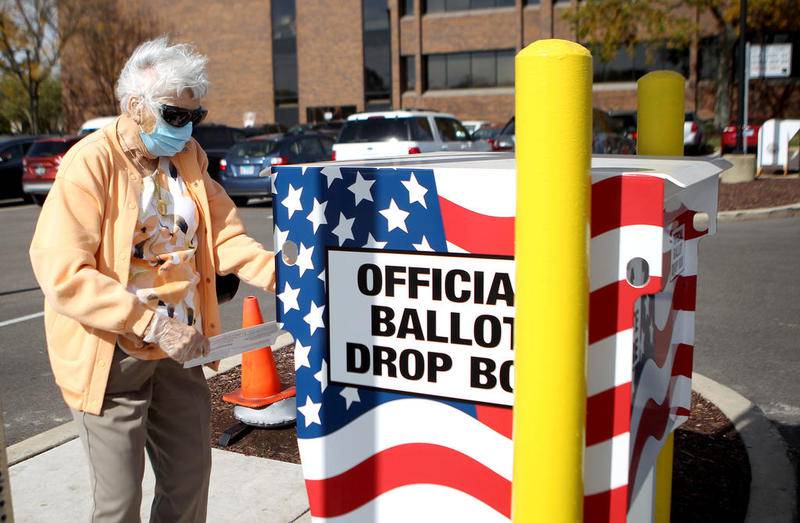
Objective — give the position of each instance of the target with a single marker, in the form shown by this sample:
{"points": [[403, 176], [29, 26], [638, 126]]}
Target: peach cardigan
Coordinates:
{"points": [[81, 252]]}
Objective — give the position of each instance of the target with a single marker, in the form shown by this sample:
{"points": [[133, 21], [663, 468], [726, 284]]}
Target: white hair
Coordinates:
{"points": [[158, 70]]}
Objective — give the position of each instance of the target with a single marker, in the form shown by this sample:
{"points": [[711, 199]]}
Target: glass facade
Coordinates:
{"points": [[441, 6], [409, 72], [466, 70], [377, 53], [628, 66], [284, 62]]}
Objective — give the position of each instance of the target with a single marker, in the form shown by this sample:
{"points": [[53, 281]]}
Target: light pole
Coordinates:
{"points": [[741, 140]]}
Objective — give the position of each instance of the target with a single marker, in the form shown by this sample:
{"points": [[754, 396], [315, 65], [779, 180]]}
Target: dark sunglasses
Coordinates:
{"points": [[179, 116]]}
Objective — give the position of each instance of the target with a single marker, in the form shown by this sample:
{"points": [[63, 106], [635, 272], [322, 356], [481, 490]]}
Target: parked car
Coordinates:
{"points": [[475, 125], [627, 121], [41, 164], [399, 133], [607, 136], [90, 126], [728, 139], [12, 151], [506, 138], [216, 140], [486, 134], [693, 137], [331, 128], [241, 169], [265, 128]]}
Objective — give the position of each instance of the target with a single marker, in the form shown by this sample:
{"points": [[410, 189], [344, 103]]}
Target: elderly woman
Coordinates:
{"points": [[126, 251]]}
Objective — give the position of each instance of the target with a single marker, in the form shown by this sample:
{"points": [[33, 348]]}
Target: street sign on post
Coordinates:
{"points": [[770, 60], [399, 301]]}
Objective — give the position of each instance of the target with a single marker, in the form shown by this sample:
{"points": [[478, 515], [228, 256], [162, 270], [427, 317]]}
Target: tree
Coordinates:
{"points": [[95, 57], [32, 37], [621, 24], [15, 108]]}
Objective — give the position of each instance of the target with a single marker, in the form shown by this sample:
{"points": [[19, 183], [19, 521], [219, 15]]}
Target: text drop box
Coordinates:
{"points": [[426, 323]]}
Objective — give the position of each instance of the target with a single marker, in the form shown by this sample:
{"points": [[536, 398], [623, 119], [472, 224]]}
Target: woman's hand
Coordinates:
{"points": [[180, 341]]}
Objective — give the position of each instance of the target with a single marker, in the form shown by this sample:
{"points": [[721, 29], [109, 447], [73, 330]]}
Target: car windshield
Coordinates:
{"points": [[253, 149], [54, 148], [376, 130], [216, 137]]}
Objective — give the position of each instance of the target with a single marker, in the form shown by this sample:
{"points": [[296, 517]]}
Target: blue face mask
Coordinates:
{"points": [[166, 140]]}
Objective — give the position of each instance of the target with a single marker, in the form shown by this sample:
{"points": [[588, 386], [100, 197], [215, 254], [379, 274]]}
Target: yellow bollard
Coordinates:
{"points": [[553, 153], [660, 98]]}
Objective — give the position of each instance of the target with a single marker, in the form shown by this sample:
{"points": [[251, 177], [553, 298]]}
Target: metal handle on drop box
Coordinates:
{"points": [[239, 341]]}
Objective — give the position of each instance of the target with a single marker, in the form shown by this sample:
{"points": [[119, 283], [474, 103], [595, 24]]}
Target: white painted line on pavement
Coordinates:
{"points": [[21, 319]]}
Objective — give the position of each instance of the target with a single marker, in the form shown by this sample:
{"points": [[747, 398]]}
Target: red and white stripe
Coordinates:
{"points": [[403, 455], [627, 222]]}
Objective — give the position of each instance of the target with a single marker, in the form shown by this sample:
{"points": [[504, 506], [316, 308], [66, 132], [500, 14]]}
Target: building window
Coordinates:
{"points": [[441, 6], [475, 69], [406, 7], [532, 2], [284, 62], [628, 66], [377, 53], [408, 72]]}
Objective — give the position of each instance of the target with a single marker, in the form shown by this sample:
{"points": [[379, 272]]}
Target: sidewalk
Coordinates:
{"points": [[54, 486]]}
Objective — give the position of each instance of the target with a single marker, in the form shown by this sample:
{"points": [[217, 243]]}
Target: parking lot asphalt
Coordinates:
{"points": [[748, 317], [30, 399]]}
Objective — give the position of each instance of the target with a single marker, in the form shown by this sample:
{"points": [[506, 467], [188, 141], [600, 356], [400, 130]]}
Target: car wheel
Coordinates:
{"points": [[27, 198], [240, 201], [39, 199]]}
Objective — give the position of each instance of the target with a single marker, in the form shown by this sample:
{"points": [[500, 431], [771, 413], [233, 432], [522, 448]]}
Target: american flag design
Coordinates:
{"points": [[379, 455]]}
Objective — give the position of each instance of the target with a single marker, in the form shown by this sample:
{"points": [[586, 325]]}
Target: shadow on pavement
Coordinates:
{"points": [[791, 435]]}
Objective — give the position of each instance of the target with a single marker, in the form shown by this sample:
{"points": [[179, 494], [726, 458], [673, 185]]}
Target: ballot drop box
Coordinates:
{"points": [[396, 279]]}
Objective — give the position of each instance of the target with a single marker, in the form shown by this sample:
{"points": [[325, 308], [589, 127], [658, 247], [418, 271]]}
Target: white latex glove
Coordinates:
{"points": [[180, 341]]}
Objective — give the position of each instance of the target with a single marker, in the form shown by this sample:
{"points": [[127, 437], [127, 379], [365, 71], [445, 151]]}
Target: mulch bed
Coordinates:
{"points": [[711, 480], [763, 192], [711, 475]]}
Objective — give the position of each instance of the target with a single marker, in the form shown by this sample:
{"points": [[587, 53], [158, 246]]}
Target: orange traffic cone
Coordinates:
{"points": [[260, 382]]}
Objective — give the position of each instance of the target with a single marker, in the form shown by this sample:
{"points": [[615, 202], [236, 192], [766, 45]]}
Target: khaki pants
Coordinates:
{"points": [[165, 409]]}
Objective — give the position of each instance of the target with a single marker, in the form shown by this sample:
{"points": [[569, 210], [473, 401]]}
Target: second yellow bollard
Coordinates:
{"points": [[660, 97]]}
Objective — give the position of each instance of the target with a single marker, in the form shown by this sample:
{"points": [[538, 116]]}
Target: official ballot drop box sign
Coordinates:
{"points": [[396, 279]]}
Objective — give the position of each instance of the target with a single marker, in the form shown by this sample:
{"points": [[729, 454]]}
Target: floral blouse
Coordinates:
{"points": [[163, 273]]}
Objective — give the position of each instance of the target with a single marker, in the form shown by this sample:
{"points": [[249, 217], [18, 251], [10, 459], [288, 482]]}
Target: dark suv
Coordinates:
{"points": [[12, 151], [215, 141]]}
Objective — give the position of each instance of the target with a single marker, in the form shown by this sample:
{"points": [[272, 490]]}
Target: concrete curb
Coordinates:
{"points": [[772, 487], [56, 436], [782, 211], [42, 442]]}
